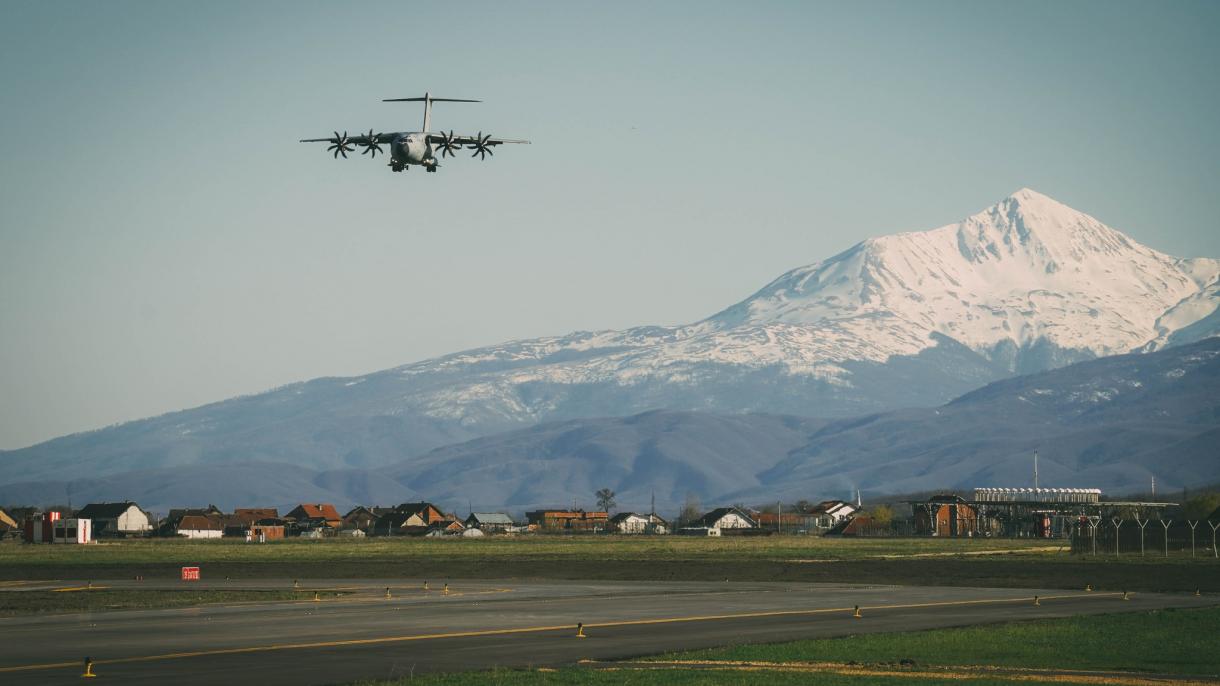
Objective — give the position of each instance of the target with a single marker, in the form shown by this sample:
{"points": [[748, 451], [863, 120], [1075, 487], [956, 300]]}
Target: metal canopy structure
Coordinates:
{"points": [[1024, 512]]}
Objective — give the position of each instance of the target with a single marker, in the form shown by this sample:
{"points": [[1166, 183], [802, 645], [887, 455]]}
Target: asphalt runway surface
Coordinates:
{"points": [[486, 624]]}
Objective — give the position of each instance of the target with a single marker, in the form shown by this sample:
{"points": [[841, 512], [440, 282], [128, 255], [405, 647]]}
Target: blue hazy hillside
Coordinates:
{"points": [[1108, 423]]}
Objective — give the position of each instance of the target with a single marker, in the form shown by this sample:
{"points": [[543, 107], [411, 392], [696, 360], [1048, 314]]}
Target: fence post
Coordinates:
{"points": [[1093, 521], [1117, 523], [1214, 526], [1165, 524], [1142, 525], [1192, 535]]}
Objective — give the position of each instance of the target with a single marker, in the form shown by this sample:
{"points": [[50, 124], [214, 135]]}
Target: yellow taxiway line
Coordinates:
{"points": [[533, 629]]}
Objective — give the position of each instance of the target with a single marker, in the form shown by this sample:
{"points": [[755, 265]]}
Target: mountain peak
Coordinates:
{"points": [[1025, 270]]}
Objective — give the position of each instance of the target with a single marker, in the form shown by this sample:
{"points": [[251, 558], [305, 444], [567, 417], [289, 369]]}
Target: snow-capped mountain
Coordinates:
{"points": [[907, 320], [1025, 285]]}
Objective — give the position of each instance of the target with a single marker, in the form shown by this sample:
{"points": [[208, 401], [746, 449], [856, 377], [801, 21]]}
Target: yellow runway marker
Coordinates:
{"points": [[529, 630], [71, 589]]}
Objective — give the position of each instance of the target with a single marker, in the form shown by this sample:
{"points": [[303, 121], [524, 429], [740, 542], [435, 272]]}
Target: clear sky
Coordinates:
{"points": [[166, 242]]}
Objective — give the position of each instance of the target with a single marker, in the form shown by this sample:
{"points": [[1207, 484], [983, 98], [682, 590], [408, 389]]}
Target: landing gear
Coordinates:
{"points": [[396, 166], [432, 168]]}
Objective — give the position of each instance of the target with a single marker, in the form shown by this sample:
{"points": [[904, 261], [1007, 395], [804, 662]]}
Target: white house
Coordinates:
{"points": [[198, 526], [829, 513], [633, 523], [116, 519], [724, 518]]}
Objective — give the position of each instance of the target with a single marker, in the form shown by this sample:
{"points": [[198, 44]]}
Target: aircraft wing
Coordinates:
{"points": [[358, 139], [470, 140]]}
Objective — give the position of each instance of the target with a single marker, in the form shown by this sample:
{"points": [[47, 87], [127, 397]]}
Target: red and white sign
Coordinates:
{"points": [[190, 574]]}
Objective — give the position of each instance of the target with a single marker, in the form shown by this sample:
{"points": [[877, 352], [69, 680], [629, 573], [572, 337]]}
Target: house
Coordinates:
{"points": [[362, 518], [199, 526], [253, 515], [427, 512], [396, 523], [489, 522], [859, 525], [411, 519], [116, 519], [315, 516], [261, 533], [830, 513], [945, 515], [633, 523], [567, 520], [169, 525], [450, 524], [725, 518]]}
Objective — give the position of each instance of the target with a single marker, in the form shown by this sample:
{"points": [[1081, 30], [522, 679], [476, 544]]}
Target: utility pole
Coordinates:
{"points": [[1035, 470], [1154, 486]]}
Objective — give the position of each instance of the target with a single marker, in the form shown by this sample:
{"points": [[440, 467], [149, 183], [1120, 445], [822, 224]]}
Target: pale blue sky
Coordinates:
{"points": [[166, 242]]}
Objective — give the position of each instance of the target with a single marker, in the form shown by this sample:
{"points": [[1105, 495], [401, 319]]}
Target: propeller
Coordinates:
{"points": [[481, 148], [447, 144], [371, 147], [340, 145]]}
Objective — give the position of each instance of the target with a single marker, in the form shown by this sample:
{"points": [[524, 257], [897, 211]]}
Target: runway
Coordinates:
{"points": [[485, 624]]}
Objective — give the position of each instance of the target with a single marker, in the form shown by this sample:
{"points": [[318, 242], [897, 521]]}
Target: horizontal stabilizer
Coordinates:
{"points": [[426, 99]]}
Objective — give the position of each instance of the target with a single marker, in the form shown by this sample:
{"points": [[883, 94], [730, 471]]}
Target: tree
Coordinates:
{"points": [[691, 509], [883, 515], [605, 499], [1200, 506]]}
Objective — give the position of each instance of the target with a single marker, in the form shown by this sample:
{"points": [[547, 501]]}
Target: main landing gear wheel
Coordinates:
{"points": [[394, 166], [432, 168]]}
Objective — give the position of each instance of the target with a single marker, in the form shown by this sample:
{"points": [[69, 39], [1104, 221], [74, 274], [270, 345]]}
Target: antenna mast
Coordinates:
{"points": [[1035, 470]]}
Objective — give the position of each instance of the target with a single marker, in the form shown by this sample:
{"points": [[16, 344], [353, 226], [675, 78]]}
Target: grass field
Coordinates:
{"points": [[926, 561], [102, 599], [1123, 646], [655, 548]]}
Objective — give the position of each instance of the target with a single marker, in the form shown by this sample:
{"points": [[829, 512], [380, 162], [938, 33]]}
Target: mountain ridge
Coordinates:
{"points": [[906, 320]]}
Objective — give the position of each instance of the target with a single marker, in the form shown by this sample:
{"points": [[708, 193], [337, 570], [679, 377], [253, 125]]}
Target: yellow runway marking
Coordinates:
{"points": [[531, 630], [70, 589]]}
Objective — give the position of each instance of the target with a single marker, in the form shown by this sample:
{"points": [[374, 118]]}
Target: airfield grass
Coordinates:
{"points": [[1179, 642], [910, 561], [610, 548], [14, 603]]}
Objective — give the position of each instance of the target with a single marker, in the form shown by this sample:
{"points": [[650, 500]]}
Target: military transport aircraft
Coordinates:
{"points": [[414, 147]]}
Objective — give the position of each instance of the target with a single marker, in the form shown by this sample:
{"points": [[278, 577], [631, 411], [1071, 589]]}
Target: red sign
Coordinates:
{"points": [[190, 574]]}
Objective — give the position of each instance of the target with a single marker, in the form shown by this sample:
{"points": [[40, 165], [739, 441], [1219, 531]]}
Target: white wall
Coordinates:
{"points": [[133, 520], [200, 533]]}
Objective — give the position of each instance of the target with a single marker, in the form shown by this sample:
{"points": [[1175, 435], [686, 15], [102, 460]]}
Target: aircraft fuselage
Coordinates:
{"points": [[412, 148]]}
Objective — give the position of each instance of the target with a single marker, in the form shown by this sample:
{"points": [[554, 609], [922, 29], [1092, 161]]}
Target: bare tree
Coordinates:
{"points": [[605, 499], [691, 510]]}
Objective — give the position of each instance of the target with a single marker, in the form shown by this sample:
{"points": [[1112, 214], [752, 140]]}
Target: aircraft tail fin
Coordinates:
{"points": [[428, 100]]}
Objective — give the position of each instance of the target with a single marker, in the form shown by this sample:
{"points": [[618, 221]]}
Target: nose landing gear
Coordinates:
{"points": [[397, 166]]}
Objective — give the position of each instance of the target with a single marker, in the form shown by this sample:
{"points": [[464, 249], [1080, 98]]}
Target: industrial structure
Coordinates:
{"points": [[1022, 512]]}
